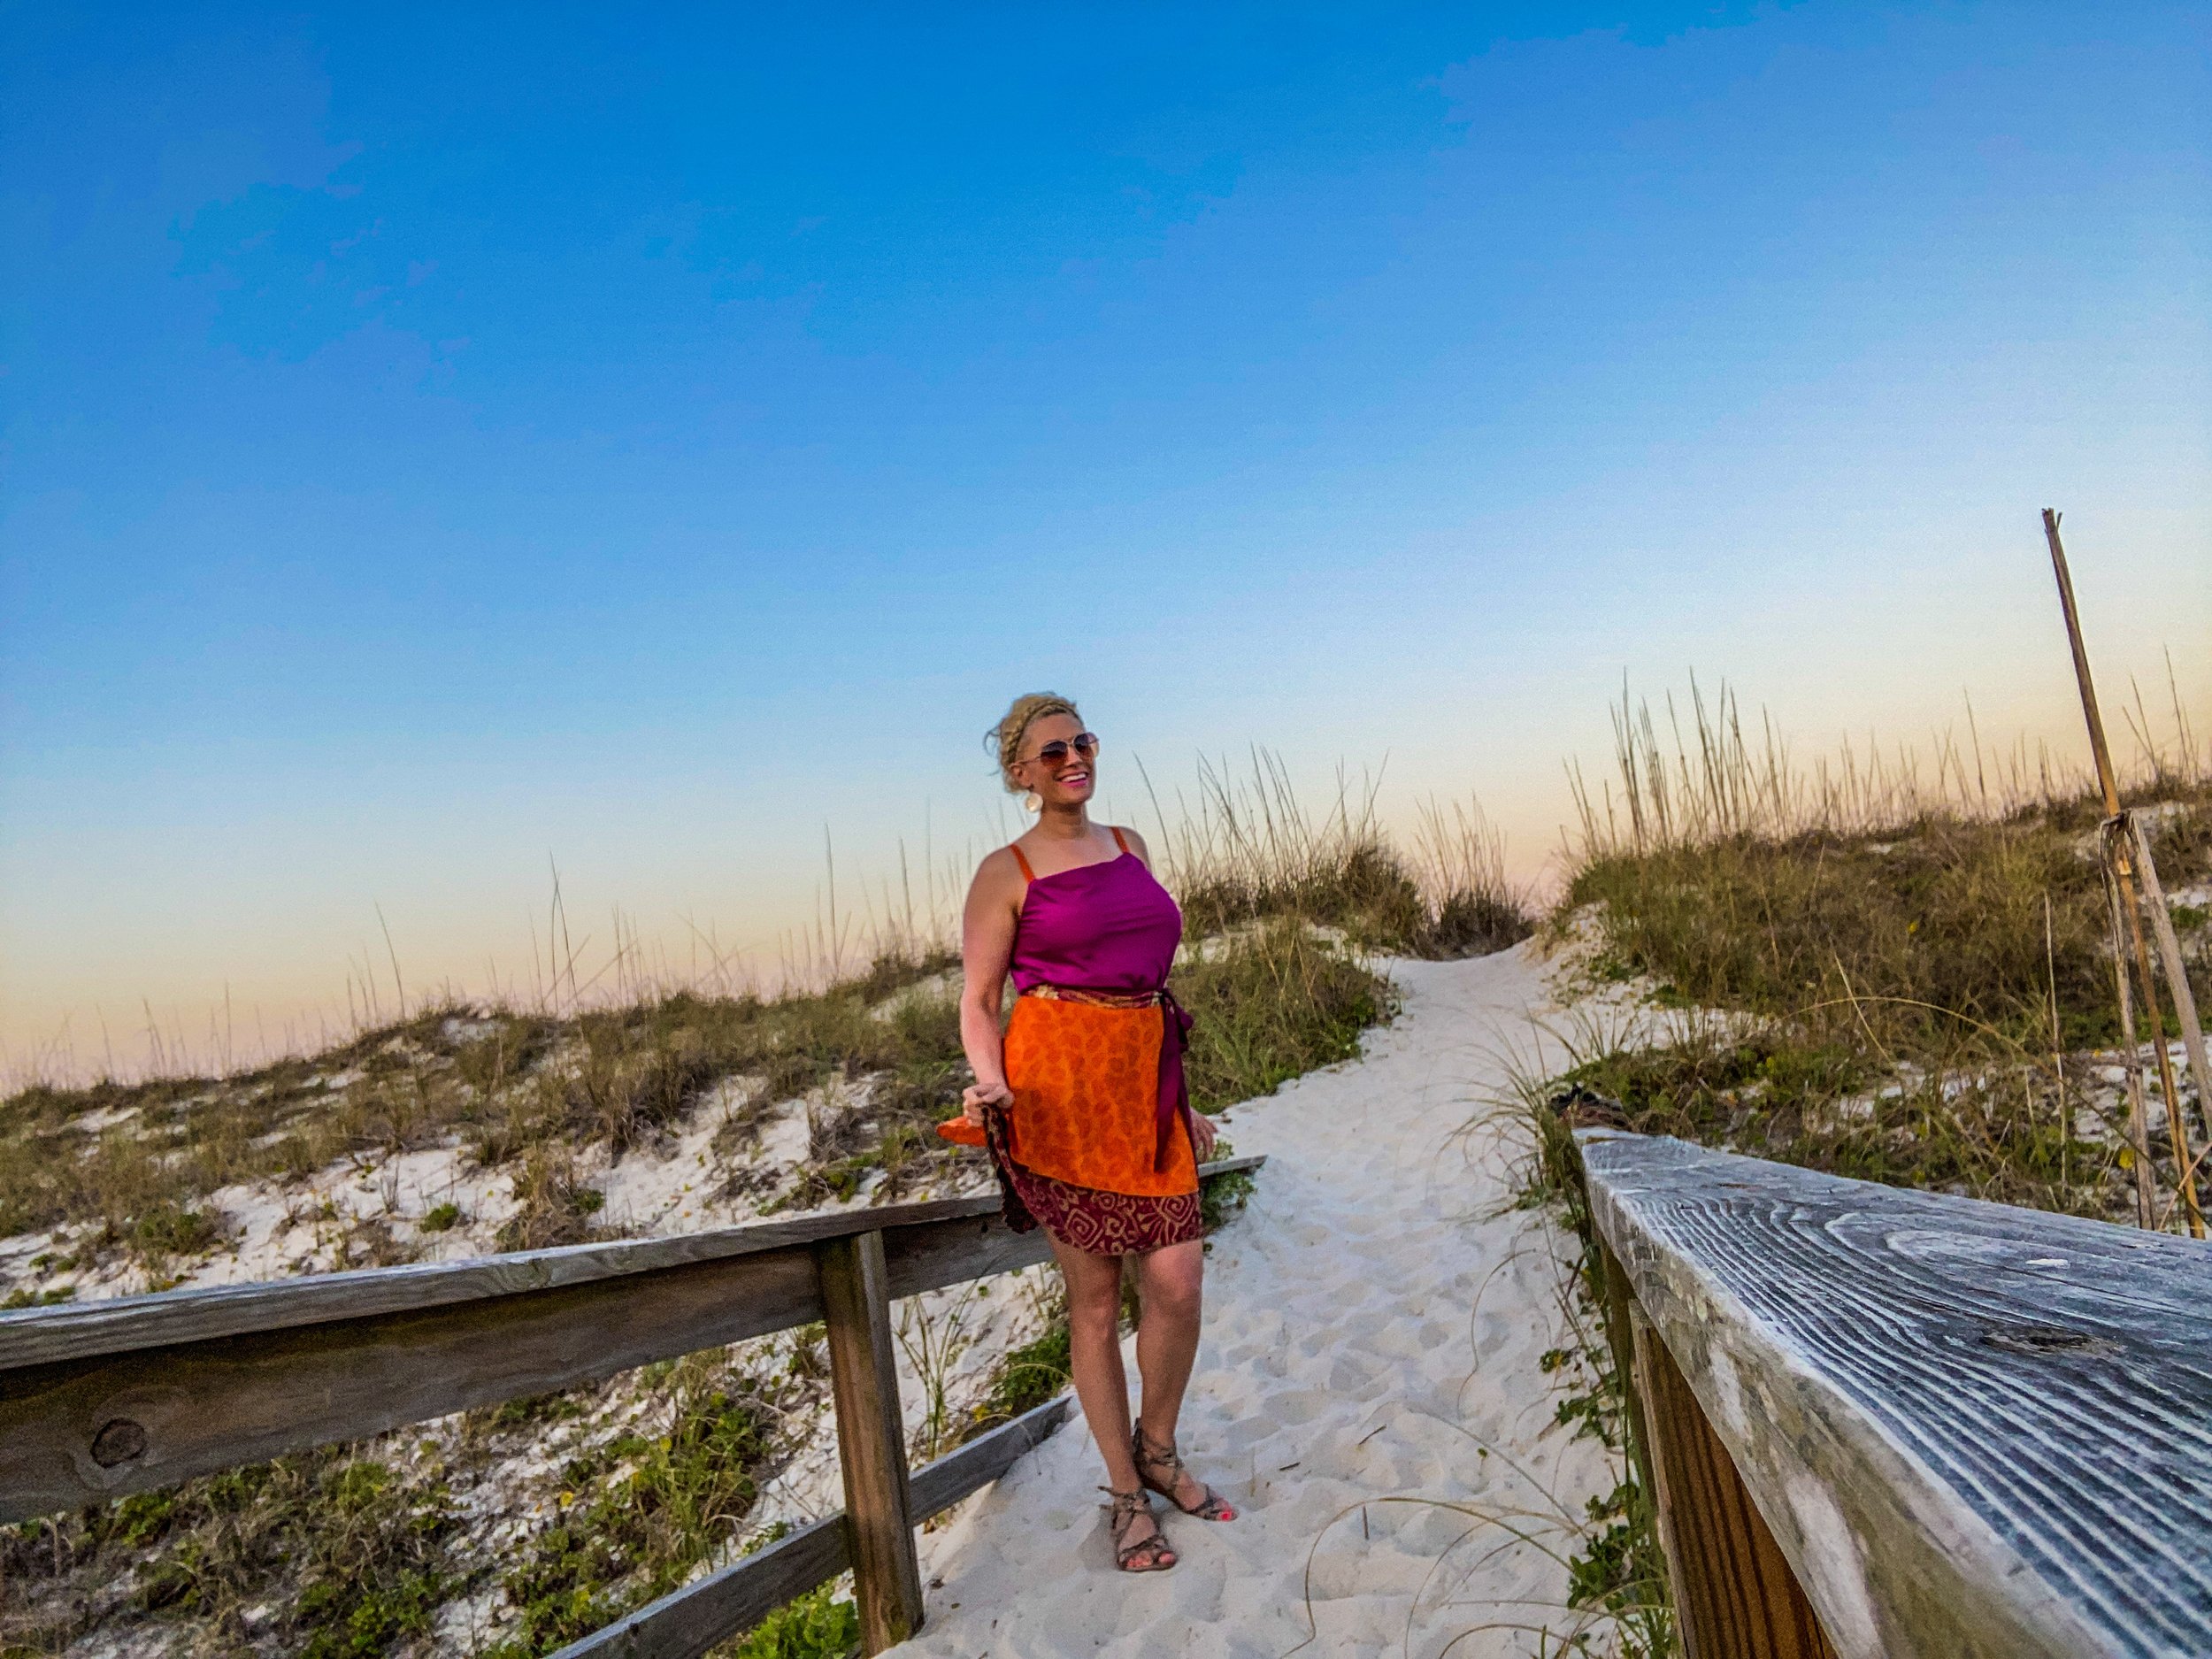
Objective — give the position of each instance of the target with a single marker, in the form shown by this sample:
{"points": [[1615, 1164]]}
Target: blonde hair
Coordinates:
{"points": [[1005, 738]]}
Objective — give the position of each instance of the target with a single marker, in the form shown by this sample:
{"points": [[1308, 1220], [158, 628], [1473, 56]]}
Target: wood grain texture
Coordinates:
{"points": [[112, 1398], [1974, 1431], [108, 1399], [199, 1407], [934, 1255], [192, 1407], [871, 1439], [1735, 1596], [43, 1336]]}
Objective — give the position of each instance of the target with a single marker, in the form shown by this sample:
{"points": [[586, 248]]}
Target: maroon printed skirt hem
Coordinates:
{"points": [[1107, 1224]]}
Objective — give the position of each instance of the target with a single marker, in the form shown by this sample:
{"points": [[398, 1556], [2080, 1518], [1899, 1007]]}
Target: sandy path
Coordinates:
{"points": [[1345, 1368]]}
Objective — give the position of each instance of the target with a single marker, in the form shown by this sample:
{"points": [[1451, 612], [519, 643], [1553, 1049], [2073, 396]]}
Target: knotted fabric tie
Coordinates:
{"points": [[1175, 1026]]}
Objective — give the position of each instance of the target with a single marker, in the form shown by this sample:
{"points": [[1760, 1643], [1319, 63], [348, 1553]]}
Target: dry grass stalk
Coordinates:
{"points": [[1246, 852], [2138, 1122]]}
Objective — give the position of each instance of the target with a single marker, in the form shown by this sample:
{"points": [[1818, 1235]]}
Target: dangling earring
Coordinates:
{"points": [[1032, 801]]}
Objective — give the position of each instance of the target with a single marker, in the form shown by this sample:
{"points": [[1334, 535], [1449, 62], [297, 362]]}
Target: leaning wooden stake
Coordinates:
{"points": [[2177, 972], [871, 1441], [2121, 843], [2121, 839]]}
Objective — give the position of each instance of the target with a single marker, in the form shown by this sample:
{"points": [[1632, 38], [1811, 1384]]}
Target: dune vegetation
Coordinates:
{"points": [[468, 1126], [1902, 980], [1887, 974], [1887, 970]]}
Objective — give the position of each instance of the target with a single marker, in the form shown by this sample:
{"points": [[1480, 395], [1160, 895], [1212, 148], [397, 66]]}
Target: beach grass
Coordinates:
{"points": [[1281, 909], [1886, 971], [1246, 851], [1901, 981], [364, 1549]]}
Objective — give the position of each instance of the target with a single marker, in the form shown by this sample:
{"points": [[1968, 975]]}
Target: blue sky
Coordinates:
{"points": [[438, 446]]}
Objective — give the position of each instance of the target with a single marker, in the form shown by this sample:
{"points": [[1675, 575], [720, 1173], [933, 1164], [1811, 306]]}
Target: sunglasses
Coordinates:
{"points": [[1083, 744]]}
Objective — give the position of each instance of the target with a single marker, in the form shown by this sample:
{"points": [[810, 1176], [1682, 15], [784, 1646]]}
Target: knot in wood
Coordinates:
{"points": [[1583, 1108], [118, 1440], [2044, 1338]]}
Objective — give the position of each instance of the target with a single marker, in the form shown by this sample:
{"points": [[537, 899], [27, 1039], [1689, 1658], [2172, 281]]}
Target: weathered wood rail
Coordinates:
{"points": [[1881, 1422], [114, 1397]]}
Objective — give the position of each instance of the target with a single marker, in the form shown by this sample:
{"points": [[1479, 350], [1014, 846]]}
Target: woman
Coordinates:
{"points": [[1084, 1105]]}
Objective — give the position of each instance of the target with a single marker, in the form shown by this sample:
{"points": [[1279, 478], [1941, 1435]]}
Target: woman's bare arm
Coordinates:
{"points": [[986, 945]]}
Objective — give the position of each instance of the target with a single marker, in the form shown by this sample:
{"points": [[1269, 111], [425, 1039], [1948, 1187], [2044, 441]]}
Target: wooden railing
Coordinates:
{"points": [[1881, 1422], [112, 1397]]}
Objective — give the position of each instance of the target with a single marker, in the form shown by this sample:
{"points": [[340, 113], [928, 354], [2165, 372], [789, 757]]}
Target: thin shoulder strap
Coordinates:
{"points": [[1120, 840], [1028, 875]]}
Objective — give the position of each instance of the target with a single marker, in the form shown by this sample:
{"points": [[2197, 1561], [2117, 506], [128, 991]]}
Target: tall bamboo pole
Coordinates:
{"points": [[2177, 973], [2120, 852]]}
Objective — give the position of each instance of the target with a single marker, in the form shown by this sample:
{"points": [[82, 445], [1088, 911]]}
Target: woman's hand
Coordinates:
{"points": [[975, 1098], [1202, 1135]]}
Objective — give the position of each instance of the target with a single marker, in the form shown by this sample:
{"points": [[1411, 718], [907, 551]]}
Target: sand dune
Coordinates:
{"points": [[1370, 1355]]}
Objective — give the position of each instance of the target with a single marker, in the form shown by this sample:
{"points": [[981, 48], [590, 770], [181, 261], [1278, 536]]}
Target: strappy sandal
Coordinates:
{"points": [[1212, 1507], [1144, 1555]]}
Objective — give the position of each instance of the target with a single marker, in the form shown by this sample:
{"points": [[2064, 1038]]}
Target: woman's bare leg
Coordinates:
{"points": [[1169, 1284], [1094, 1284]]}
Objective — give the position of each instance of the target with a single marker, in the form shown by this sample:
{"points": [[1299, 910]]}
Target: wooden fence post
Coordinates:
{"points": [[871, 1439], [1734, 1595], [1618, 1303]]}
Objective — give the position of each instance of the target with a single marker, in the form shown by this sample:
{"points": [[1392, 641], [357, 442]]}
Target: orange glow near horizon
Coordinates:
{"points": [[623, 933]]}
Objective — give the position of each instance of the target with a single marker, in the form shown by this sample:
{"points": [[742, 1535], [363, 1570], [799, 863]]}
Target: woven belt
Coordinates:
{"points": [[1096, 999]]}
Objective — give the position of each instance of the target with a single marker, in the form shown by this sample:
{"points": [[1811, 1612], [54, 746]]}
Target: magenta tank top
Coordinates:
{"points": [[1107, 928]]}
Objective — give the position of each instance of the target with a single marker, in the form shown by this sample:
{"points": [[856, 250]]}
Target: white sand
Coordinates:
{"points": [[1373, 1324]]}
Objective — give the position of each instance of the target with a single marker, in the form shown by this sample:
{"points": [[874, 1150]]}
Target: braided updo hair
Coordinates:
{"points": [[1005, 739]]}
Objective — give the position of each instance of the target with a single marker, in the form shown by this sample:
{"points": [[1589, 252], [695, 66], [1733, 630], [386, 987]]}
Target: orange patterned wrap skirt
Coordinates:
{"points": [[1081, 1144]]}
